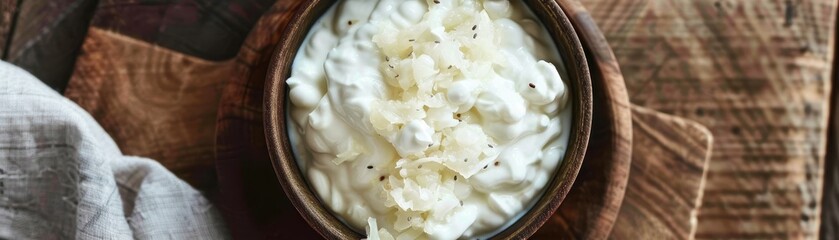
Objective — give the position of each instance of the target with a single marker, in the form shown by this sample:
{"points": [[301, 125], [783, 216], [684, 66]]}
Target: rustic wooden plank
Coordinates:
{"points": [[669, 161], [208, 29], [757, 74], [49, 34], [154, 102], [47, 37]]}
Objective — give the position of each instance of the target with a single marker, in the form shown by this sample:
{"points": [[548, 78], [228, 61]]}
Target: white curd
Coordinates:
{"points": [[428, 119]]}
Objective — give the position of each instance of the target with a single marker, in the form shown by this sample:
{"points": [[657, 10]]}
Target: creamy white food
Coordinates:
{"points": [[428, 119]]}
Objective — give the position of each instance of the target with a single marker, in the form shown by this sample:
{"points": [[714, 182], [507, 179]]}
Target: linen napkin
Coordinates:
{"points": [[63, 177]]}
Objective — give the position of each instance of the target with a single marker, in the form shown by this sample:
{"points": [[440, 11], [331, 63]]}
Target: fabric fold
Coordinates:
{"points": [[62, 176]]}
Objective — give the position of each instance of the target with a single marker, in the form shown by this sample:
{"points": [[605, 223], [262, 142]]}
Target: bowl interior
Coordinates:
{"points": [[319, 216]]}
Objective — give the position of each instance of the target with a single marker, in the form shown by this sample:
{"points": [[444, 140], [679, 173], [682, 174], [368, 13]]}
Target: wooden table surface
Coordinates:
{"points": [[755, 73]]}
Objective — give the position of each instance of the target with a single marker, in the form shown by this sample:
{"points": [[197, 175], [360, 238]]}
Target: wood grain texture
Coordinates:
{"points": [[251, 199], [153, 102], [591, 207], [47, 37], [208, 29], [669, 161], [757, 74]]}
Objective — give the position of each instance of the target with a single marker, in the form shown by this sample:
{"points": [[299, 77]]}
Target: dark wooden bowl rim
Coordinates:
{"points": [[320, 217]]}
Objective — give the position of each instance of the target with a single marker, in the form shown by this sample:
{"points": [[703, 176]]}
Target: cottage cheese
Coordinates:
{"points": [[428, 119]]}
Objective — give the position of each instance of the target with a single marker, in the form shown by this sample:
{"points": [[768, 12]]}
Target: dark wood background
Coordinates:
{"points": [[757, 74]]}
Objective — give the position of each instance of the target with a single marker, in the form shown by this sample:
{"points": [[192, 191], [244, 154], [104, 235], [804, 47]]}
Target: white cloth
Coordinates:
{"points": [[63, 177]]}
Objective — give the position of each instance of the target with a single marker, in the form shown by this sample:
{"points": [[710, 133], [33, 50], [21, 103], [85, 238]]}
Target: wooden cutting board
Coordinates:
{"points": [[757, 74], [669, 162], [154, 102]]}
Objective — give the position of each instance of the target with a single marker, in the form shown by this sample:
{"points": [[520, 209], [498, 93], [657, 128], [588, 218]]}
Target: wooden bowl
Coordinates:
{"points": [[321, 218]]}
